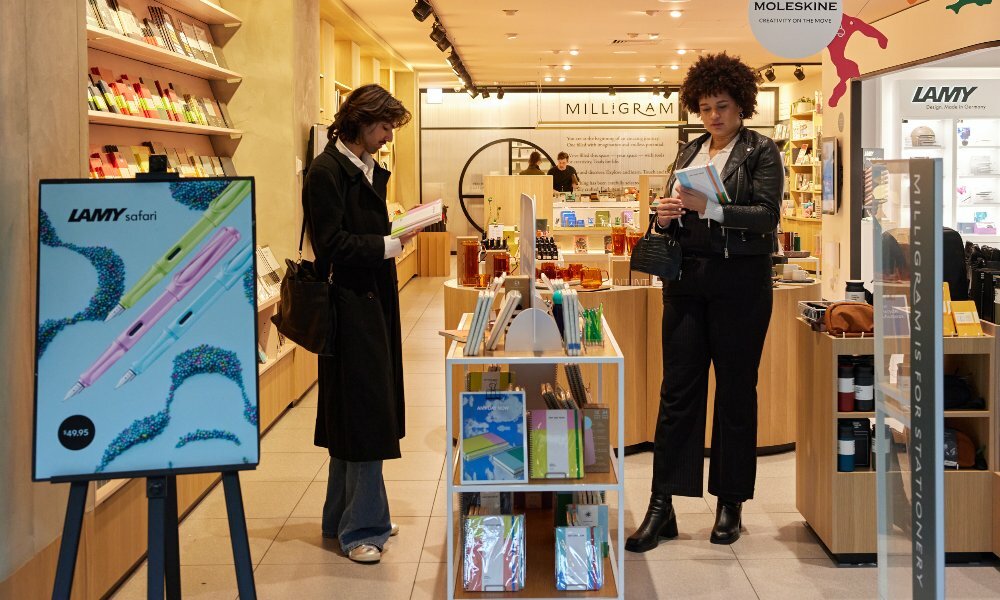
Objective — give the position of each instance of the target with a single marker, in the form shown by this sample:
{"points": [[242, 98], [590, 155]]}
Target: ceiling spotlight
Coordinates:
{"points": [[674, 67], [769, 74], [562, 79], [443, 45], [799, 73], [654, 36], [682, 51], [486, 93], [632, 36], [421, 10], [574, 52], [656, 91], [454, 60], [567, 67], [473, 91], [438, 33], [500, 93], [675, 14], [652, 13], [510, 12], [511, 36], [611, 90], [642, 79], [548, 79], [758, 77]]}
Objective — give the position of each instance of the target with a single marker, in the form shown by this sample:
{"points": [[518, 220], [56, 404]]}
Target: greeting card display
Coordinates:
{"points": [[146, 356]]}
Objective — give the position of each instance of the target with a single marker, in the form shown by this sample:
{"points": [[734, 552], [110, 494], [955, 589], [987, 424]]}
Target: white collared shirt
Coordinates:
{"points": [[393, 247]]}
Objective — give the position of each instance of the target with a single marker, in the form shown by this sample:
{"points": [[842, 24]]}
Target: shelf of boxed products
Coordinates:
{"points": [[115, 43], [96, 117], [590, 482], [581, 230], [590, 204], [206, 12], [539, 578]]}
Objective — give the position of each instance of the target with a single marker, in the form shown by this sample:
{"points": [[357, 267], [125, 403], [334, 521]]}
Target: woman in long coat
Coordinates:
{"points": [[361, 408]]}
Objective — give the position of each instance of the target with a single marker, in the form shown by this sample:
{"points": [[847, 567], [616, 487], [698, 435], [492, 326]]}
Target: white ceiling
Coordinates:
{"points": [[479, 28]]}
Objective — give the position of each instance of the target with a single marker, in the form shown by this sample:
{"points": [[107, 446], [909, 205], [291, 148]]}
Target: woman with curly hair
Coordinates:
{"points": [[718, 311]]}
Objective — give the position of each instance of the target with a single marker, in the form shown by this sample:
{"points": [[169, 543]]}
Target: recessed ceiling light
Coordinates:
{"points": [[624, 52], [642, 79], [574, 52], [654, 36], [567, 67], [548, 79], [652, 13], [511, 36], [603, 77], [682, 51], [633, 35], [676, 14], [510, 12], [656, 80], [674, 67], [562, 79]]}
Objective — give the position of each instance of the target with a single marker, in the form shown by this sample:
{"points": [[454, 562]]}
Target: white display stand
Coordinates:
{"points": [[533, 365], [533, 330]]}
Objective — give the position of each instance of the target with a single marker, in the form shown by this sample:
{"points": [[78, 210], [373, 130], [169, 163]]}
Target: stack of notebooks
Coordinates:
{"points": [[506, 312], [480, 318], [133, 96], [493, 437], [586, 509], [160, 29], [494, 555], [571, 322], [113, 161], [579, 565], [596, 421]]}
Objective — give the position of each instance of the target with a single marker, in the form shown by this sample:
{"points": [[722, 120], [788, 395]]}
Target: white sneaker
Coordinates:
{"points": [[366, 554]]}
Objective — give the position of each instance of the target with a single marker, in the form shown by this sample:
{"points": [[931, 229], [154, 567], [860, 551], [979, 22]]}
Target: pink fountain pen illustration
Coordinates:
{"points": [[847, 68]]}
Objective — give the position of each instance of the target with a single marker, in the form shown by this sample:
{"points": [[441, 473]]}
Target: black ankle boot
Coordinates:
{"points": [[660, 521], [727, 522]]}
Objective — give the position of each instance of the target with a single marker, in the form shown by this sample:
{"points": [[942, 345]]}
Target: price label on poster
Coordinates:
{"points": [[146, 328]]}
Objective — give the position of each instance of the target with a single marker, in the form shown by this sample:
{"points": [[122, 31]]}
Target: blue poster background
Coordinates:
{"points": [[205, 402]]}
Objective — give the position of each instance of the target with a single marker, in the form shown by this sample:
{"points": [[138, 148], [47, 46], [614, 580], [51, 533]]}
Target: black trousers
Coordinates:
{"points": [[717, 313]]}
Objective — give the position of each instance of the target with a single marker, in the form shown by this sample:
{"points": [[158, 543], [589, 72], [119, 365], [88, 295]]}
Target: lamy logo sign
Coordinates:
{"points": [[92, 215], [942, 94]]}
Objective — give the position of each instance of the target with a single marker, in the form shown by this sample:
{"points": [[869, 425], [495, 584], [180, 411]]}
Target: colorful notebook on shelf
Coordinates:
{"points": [[493, 437], [579, 566], [494, 553], [555, 444]]}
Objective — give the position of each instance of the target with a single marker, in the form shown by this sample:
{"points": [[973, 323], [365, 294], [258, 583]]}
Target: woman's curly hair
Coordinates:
{"points": [[364, 106], [713, 74]]}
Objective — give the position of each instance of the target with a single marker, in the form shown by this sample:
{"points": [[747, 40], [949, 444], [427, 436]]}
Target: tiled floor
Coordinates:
{"points": [[777, 557]]}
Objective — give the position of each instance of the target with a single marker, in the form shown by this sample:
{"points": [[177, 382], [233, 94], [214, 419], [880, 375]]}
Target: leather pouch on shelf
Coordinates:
{"points": [[850, 319]]}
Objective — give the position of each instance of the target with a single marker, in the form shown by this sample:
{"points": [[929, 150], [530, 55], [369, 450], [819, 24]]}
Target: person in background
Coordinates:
{"points": [[564, 178], [360, 418], [533, 160], [718, 311]]}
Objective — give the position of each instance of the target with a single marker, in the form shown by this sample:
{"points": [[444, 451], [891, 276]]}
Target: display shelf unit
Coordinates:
{"points": [[805, 131], [581, 230], [841, 507], [539, 535], [96, 117], [109, 41]]}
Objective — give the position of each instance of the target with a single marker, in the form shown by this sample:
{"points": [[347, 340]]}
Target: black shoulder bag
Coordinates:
{"points": [[657, 254], [306, 313]]}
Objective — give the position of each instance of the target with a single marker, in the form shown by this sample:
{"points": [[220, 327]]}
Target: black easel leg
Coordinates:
{"points": [[70, 543], [238, 535], [171, 542], [156, 493]]}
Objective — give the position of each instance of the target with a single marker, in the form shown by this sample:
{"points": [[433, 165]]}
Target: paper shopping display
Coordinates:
{"points": [[146, 328]]}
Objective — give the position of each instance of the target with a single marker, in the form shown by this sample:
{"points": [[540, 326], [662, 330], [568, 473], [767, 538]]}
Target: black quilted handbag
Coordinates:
{"points": [[657, 254], [306, 313]]}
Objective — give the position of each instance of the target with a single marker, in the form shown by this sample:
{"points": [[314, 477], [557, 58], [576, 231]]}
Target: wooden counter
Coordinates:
{"points": [[634, 314]]}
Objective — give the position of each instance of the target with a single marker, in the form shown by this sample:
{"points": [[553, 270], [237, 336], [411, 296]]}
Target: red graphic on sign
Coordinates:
{"points": [[847, 68]]}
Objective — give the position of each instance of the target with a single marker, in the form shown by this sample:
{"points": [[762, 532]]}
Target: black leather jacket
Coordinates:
{"points": [[753, 177]]}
